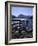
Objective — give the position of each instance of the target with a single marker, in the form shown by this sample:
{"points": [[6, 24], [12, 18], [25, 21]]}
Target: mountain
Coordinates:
{"points": [[21, 16], [24, 16], [13, 16]]}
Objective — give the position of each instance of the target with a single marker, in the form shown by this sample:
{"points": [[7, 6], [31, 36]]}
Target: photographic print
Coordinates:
{"points": [[20, 22]]}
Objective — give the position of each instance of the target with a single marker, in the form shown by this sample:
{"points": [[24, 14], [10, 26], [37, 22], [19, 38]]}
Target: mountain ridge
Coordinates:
{"points": [[23, 16]]}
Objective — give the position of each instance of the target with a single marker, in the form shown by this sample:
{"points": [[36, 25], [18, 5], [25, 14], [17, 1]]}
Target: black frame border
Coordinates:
{"points": [[6, 14]]}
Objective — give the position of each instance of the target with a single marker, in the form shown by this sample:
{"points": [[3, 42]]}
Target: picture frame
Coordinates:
{"points": [[15, 8]]}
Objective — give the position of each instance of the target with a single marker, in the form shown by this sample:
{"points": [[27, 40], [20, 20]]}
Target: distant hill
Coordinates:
{"points": [[22, 16], [13, 16]]}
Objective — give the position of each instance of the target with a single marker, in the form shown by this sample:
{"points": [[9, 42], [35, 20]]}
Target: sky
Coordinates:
{"points": [[21, 10]]}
